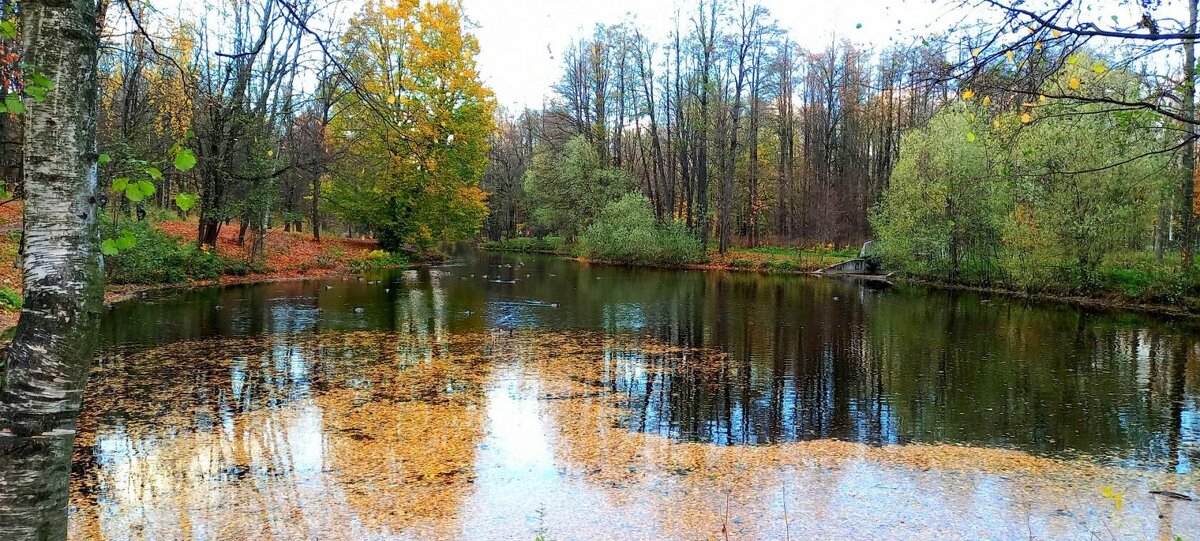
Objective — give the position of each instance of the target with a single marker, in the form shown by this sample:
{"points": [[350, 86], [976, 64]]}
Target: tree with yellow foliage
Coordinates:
{"points": [[416, 128]]}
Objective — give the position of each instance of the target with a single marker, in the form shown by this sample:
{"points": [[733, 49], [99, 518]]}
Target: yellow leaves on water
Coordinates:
{"points": [[391, 100], [1099, 68], [1074, 83], [970, 137], [975, 52], [450, 436], [968, 94], [1011, 56], [1054, 33], [1026, 118], [1110, 493], [987, 101], [996, 124]]}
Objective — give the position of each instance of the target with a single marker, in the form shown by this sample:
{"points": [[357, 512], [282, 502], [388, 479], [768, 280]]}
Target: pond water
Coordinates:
{"points": [[512, 396]]}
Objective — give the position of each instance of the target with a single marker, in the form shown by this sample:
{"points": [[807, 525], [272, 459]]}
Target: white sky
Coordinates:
{"points": [[521, 41]]}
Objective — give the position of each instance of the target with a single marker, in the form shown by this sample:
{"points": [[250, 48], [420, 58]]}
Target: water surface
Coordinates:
{"points": [[468, 400]]}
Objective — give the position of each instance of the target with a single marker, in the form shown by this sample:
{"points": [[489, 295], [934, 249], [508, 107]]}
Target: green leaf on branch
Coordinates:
{"points": [[146, 188], [8, 30], [104, 159], [154, 173], [119, 184], [133, 192], [39, 80], [126, 241], [185, 160], [185, 201], [12, 102], [109, 247], [36, 92]]}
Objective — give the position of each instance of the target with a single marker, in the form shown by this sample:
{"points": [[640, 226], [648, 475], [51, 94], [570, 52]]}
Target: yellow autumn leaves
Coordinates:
{"points": [[418, 134], [418, 435], [1077, 73]]}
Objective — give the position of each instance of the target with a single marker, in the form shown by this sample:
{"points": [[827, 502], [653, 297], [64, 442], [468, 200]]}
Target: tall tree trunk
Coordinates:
{"points": [[1187, 229], [48, 361], [10, 153]]}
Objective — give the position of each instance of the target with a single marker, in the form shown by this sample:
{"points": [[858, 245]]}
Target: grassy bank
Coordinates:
{"points": [[1132, 280], [777, 259], [1129, 279], [165, 255]]}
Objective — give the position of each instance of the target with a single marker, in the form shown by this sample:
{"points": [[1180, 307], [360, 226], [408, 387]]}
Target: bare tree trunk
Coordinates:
{"points": [[48, 362], [316, 206], [1187, 233], [10, 153]]}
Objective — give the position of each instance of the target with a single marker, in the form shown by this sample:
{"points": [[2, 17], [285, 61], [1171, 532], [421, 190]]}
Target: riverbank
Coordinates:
{"points": [[772, 259], [288, 256], [809, 261]]}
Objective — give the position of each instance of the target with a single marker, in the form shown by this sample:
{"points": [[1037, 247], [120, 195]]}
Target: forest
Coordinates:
{"points": [[1023, 154], [1015, 153], [256, 118], [283, 239]]}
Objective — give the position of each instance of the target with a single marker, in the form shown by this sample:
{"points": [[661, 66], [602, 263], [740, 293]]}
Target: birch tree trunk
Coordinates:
{"points": [[51, 353]]}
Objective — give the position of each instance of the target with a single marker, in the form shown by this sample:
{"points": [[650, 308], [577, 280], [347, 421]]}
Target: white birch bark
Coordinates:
{"points": [[50, 355]]}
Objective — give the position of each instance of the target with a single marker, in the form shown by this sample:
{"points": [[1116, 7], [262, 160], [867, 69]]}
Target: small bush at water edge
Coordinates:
{"points": [[627, 232]]}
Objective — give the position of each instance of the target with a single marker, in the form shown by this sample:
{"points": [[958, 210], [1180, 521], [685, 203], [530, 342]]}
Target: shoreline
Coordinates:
{"points": [[1112, 303], [117, 293]]}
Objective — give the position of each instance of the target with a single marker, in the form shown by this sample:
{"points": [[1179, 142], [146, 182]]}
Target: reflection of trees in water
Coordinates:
{"points": [[894, 366], [807, 358], [286, 435]]}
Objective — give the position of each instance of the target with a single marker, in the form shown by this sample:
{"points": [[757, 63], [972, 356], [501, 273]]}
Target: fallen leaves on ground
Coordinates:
{"points": [[289, 254]]}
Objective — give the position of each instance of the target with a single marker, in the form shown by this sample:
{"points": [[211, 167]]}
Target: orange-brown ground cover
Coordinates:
{"points": [[288, 254]]}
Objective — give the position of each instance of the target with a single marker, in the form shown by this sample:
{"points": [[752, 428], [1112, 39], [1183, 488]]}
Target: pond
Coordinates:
{"points": [[516, 396]]}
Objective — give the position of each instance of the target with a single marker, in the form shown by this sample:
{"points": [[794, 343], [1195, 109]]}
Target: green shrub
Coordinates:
{"points": [[627, 232], [783, 266], [379, 259], [528, 244], [741, 264], [157, 258], [10, 299], [241, 267]]}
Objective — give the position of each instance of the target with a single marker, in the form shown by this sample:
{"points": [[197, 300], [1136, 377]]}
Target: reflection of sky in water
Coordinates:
{"points": [[279, 451], [800, 358]]}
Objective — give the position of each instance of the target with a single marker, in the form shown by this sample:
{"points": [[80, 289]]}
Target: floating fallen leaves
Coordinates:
{"points": [[397, 435]]}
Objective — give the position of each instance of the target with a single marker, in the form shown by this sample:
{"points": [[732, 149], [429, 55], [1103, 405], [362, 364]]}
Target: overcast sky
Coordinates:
{"points": [[522, 41]]}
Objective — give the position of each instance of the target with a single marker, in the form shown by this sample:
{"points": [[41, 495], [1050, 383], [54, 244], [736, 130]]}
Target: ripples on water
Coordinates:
{"points": [[611, 386]]}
